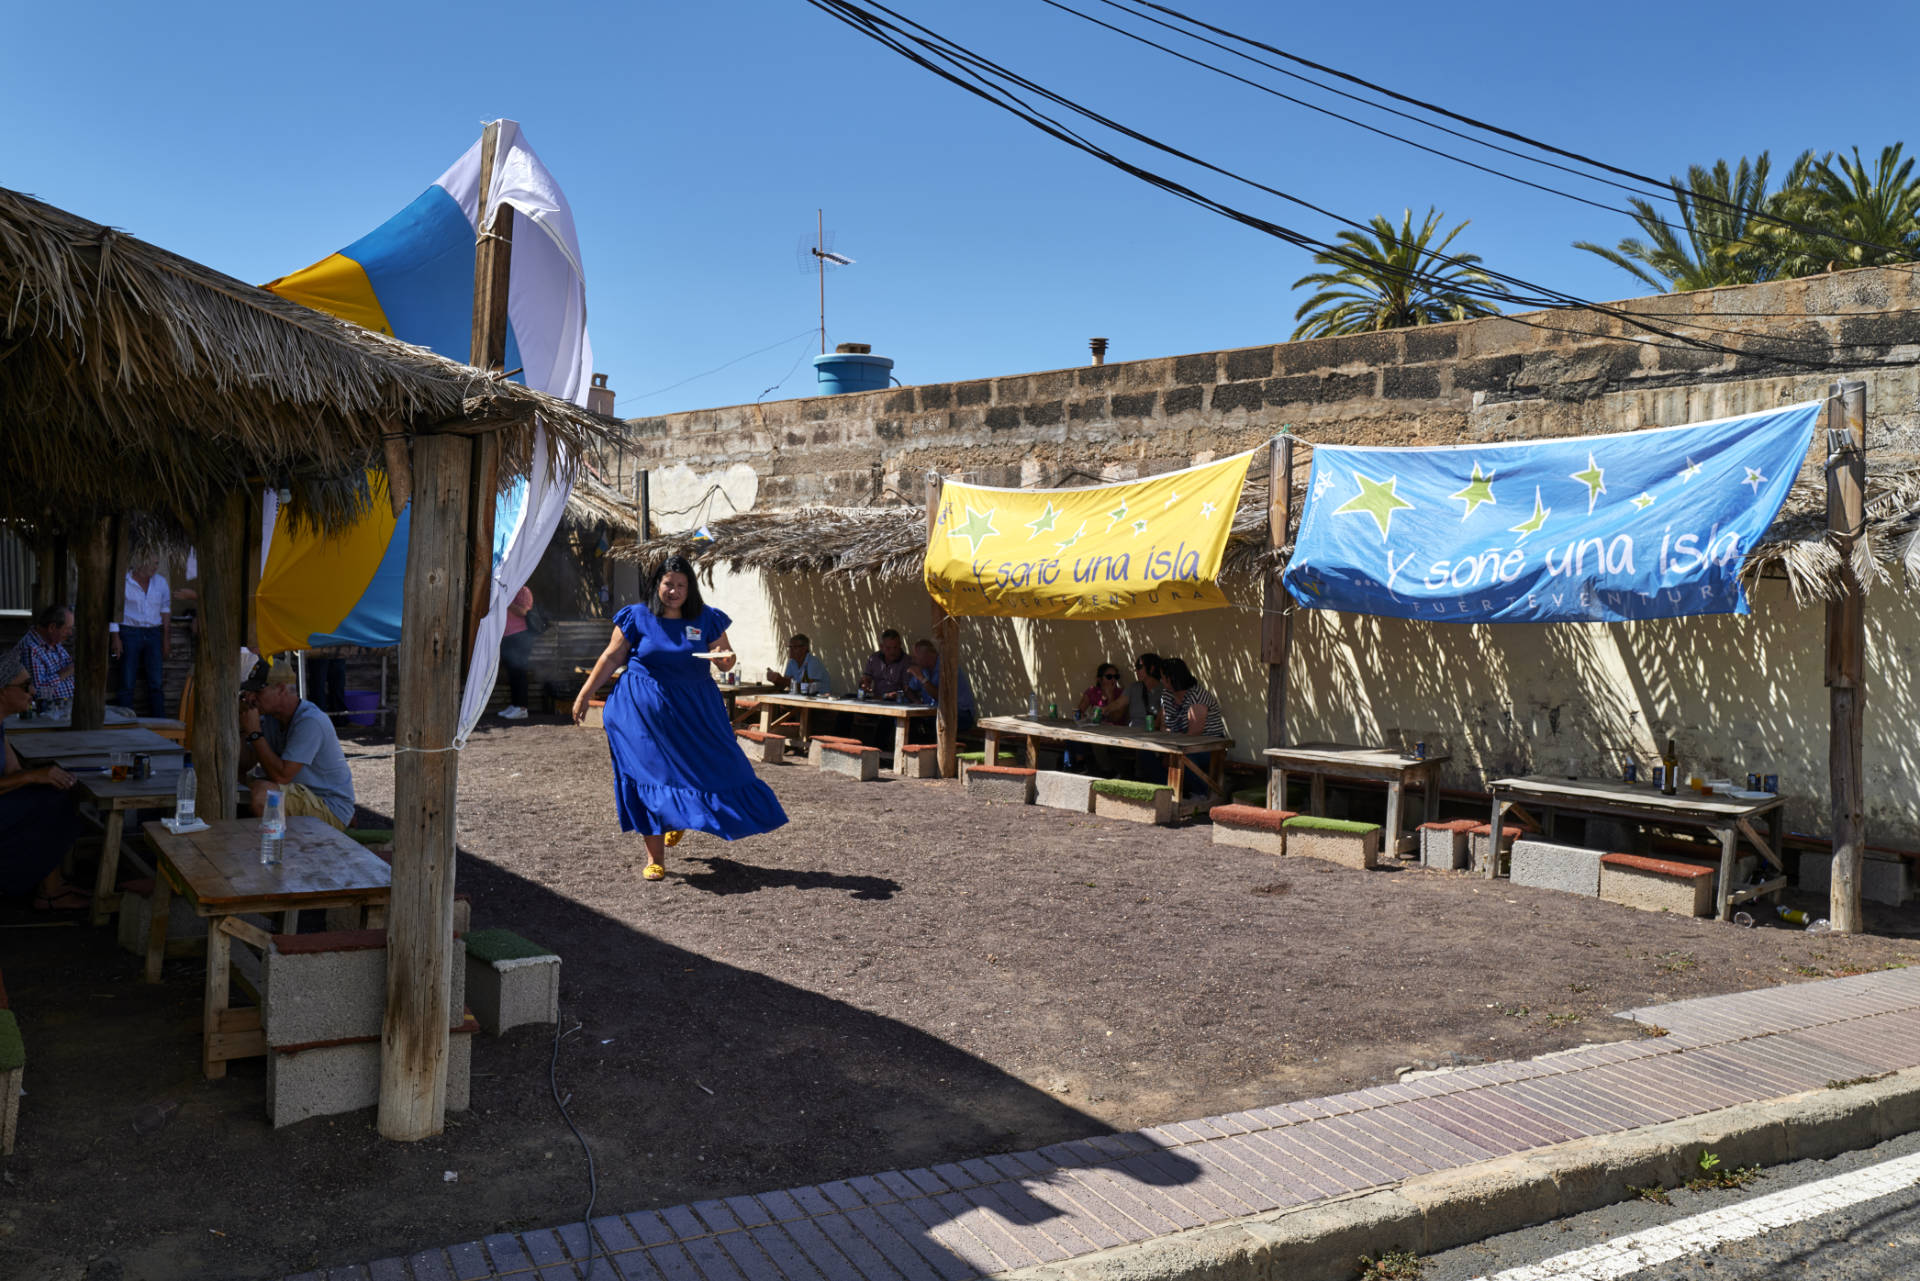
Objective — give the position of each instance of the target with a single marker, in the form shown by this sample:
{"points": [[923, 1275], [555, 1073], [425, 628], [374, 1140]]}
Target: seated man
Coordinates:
{"points": [[802, 665], [38, 813], [43, 651], [923, 686], [886, 671], [294, 745]]}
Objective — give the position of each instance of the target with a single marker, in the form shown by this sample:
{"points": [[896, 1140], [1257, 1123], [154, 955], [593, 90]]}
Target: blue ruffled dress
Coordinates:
{"points": [[676, 766]]}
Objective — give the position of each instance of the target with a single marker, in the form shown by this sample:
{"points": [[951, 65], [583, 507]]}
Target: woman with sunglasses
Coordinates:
{"points": [[1105, 701], [37, 813]]}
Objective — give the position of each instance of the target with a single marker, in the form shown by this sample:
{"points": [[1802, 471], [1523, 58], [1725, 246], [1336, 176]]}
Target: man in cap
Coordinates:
{"points": [[294, 745]]}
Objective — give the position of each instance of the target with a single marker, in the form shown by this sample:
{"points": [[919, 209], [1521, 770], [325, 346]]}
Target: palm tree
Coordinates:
{"points": [[1388, 278], [1716, 240], [1881, 207]]}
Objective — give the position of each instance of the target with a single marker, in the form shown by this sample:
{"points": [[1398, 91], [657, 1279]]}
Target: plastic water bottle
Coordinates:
{"points": [[1033, 704], [183, 792], [273, 828]]}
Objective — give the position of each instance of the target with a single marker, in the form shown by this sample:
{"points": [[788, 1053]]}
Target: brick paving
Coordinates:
{"points": [[991, 1215]]}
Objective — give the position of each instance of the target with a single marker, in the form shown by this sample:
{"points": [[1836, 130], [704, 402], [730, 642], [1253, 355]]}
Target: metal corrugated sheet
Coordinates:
{"points": [[16, 572]]}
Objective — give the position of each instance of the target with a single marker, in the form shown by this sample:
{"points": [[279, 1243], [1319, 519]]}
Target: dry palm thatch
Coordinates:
{"points": [[133, 378], [594, 502]]}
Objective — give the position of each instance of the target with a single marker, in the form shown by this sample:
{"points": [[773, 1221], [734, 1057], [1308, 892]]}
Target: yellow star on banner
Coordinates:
{"points": [[1479, 490], [1207, 510], [1042, 523], [1071, 541], [1594, 478], [1536, 522], [1754, 480], [978, 528], [1117, 515], [1376, 499], [1688, 472], [1644, 501], [1139, 528]]}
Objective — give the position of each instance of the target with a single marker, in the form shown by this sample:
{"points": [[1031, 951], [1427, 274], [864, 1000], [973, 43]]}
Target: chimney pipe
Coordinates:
{"points": [[1099, 348]]}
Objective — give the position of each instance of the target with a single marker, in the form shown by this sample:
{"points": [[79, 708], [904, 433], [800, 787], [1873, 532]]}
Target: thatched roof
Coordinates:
{"points": [[594, 502], [133, 378], [889, 543]]}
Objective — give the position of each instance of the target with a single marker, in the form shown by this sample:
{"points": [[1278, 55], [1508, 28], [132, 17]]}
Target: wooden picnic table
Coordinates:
{"points": [[77, 744], [219, 872], [1177, 748], [745, 689], [113, 800], [1727, 818], [1321, 761], [28, 723], [807, 704]]}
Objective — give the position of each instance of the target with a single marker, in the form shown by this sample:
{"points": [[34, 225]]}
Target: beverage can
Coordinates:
{"points": [[1420, 751], [1771, 784], [1152, 722], [1660, 776], [1631, 773], [142, 765], [1753, 782]]}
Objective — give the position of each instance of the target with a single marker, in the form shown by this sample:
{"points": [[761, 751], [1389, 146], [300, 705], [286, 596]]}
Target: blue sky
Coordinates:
{"points": [[695, 142]]}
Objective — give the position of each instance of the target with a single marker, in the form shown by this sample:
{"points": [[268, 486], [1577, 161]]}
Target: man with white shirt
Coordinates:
{"points": [[145, 634]]}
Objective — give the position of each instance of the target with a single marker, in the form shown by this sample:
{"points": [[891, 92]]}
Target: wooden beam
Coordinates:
{"points": [[399, 468], [252, 522], [1276, 616], [1846, 422], [93, 610], [644, 501], [492, 278], [227, 556], [413, 1057], [946, 637]]}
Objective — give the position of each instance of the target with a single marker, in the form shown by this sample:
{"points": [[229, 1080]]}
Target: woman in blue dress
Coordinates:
{"points": [[676, 766]]}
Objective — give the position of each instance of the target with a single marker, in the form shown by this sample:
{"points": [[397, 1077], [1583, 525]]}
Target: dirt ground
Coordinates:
{"points": [[897, 978]]}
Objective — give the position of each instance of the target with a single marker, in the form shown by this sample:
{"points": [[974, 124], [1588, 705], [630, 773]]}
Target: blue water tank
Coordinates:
{"points": [[857, 370]]}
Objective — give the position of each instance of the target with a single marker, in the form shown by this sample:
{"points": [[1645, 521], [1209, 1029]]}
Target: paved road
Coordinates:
{"points": [[1874, 1238]]}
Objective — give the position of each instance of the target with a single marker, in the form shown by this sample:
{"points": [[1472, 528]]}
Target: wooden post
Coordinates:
{"points": [[1276, 617], [1846, 421], [492, 273], [644, 502], [946, 637], [93, 610], [413, 1054], [221, 539], [44, 591]]}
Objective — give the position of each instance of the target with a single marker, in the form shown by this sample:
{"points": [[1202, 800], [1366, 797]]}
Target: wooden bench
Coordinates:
{"points": [[13, 1064], [1657, 884]]}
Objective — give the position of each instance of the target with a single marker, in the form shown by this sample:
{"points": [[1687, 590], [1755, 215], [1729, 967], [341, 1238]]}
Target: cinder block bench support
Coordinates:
{"points": [[511, 980]]}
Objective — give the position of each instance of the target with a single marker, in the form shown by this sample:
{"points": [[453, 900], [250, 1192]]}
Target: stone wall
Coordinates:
{"points": [[1741, 694]]}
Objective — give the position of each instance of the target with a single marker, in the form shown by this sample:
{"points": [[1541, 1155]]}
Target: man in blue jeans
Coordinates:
{"points": [[145, 635]]}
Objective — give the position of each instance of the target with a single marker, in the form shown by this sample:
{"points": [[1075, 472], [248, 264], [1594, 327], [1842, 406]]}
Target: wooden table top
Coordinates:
{"points": [[1102, 735], [840, 703], [221, 868], [130, 793], [745, 687], [1310, 754], [30, 724], [73, 743], [1574, 792]]}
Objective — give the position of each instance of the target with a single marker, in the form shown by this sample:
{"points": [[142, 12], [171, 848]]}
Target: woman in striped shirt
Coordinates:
{"points": [[1187, 706]]}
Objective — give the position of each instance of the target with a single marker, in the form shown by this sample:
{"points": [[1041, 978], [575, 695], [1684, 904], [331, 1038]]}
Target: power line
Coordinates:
{"points": [[988, 80], [1663, 189], [808, 332]]}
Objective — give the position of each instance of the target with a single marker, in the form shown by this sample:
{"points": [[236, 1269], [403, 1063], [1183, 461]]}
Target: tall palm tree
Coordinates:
{"points": [[1711, 243], [1391, 278]]}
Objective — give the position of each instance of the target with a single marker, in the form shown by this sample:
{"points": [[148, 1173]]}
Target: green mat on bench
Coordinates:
{"points": [[13, 1051], [371, 835], [1341, 825], [503, 945], [980, 758], [1127, 789]]}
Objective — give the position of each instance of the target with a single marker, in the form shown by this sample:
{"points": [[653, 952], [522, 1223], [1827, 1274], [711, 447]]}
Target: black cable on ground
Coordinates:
{"points": [[594, 1244]]}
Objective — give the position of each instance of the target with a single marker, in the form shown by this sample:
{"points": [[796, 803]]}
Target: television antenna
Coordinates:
{"points": [[816, 258]]}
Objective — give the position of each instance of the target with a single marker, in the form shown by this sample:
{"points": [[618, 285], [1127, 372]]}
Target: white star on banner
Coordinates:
{"points": [[1688, 472], [1207, 510], [1322, 485], [1171, 501], [1754, 480], [1139, 528], [1644, 501]]}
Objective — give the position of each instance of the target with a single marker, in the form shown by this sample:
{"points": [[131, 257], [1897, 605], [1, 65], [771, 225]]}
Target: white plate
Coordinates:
{"points": [[1744, 795], [716, 653]]}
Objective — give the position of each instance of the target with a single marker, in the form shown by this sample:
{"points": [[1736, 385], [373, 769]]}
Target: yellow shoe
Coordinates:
{"points": [[672, 838], [654, 872]]}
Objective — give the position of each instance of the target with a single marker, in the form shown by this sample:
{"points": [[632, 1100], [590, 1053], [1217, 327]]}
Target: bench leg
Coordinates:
{"points": [[1396, 804], [1729, 844], [900, 746], [1177, 778], [219, 957], [1317, 795], [109, 873], [766, 719], [157, 931]]}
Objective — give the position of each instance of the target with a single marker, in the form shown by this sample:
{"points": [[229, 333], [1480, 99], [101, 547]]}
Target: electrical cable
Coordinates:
{"points": [[1663, 189], [594, 1244], [808, 332], [895, 37]]}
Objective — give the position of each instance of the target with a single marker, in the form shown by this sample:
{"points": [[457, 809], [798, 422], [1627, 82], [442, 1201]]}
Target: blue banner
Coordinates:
{"points": [[1644, 524]]}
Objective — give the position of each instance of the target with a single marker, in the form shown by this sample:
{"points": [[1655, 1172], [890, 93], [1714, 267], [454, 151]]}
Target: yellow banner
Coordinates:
{"points": [[1127, 550]]}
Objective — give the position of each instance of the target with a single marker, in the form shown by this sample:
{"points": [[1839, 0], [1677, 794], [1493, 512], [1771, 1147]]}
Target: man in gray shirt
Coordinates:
{"points": [[294, 744]]}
